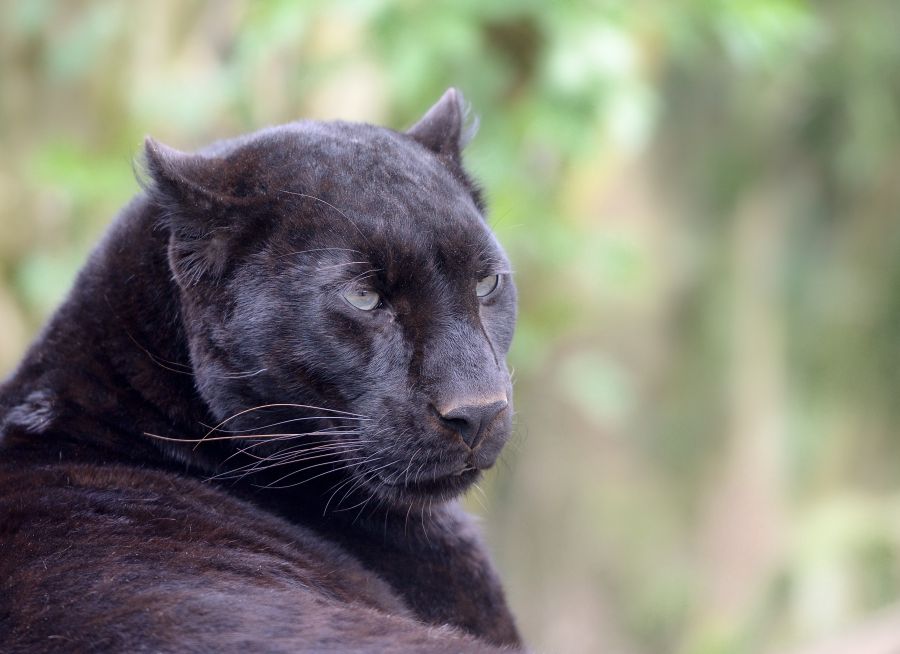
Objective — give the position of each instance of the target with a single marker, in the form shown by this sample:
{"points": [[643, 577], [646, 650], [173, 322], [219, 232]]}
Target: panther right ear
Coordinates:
{"points": [[445, 128], [204, 210]]}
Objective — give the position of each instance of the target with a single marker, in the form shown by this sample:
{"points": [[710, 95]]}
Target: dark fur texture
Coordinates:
{"points": [[209, 449]]}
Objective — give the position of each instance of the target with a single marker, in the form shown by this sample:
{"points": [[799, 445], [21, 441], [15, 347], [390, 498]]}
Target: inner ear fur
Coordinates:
{"points": [[206, 213]]}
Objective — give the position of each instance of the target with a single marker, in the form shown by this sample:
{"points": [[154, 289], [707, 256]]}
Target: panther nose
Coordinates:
{"points": [[471, 420]]}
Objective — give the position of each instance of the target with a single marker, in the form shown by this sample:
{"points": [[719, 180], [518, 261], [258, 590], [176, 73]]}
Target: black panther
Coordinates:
{"points": [[246, 426]]}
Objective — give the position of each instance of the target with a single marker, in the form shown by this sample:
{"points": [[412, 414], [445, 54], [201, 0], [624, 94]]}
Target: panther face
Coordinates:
{"points": [[347, 308]]}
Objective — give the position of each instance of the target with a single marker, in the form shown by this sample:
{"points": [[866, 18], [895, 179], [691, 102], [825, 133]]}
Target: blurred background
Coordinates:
{"points": [[701, 202]]}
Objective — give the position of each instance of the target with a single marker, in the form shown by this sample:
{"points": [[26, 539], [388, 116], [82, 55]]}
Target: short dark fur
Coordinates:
{"points": [[209, 449]]}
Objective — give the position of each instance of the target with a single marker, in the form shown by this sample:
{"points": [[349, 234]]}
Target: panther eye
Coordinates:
{"points": [[362, 299], [487, 285]]}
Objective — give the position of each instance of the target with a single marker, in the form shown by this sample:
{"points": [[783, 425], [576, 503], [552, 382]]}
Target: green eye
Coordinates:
{"points": [[487, 285], [362, 299]]}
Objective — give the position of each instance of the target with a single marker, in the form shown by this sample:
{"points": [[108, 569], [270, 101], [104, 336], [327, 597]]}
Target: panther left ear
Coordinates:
{"points": [[443, 128]]}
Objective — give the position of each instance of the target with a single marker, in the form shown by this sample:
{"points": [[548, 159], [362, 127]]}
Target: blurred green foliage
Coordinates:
{"points": [[700, 200]]}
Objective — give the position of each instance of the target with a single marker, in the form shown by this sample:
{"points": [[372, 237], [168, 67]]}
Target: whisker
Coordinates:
{"points": [[239, 375], [339, 485], [478, 499], [359, 483], [354, 484], [406, 520], [270, 406], [305, 447], [374, 474], [409, 466], [257, 466], [303, 444], [419, 471], [339, 265], [424, 529], [291, 451], [362, 508], [284, 422], [366, 477], [237, 437], [349, 464]]}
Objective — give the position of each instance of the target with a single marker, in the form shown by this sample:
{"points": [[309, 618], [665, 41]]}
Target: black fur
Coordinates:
{"points": [[209, 449]]}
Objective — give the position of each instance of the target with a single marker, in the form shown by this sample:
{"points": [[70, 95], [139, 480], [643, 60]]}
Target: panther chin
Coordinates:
{"points": [[423, 490]]}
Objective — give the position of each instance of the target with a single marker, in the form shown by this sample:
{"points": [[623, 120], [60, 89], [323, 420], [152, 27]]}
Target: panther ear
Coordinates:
{"points": [[205, 213], [193, 181], [445, 128]]}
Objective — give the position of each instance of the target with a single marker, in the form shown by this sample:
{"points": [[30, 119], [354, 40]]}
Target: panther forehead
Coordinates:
{"points": [[383, 199], [367, 172]]}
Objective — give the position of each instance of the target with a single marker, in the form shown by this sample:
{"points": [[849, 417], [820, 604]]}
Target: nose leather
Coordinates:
{"points": [[471, 421]]}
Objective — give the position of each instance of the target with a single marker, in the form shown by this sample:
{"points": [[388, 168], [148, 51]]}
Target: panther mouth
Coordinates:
{"points": [[438, 486]]}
